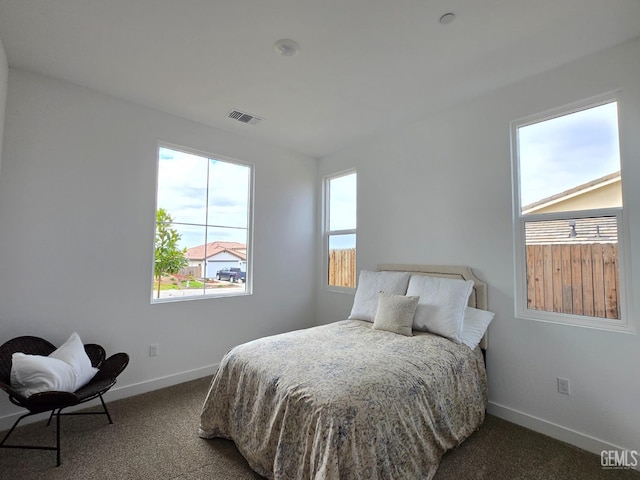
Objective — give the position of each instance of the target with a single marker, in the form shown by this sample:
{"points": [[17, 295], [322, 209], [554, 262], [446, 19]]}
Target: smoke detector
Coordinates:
{"points": [[244, 117], [286, 47]]}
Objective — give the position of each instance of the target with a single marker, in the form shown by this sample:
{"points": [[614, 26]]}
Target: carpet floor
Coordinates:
{"points": [[154, 436]]}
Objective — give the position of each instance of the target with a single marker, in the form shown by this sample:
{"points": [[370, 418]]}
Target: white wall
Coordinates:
{"points": [[439, 192], [77, 195], [4, 79]]}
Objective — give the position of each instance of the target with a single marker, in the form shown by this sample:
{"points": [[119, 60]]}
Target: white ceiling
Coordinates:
{"points": [[364, 65]]}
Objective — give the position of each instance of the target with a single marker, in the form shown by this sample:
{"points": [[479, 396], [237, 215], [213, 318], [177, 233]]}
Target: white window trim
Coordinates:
{"points": [[248, 285], [327, 232], [624, 324]]}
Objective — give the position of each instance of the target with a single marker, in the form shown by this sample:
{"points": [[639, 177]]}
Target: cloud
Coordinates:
{"points": [[567, 151], [203, 191]]}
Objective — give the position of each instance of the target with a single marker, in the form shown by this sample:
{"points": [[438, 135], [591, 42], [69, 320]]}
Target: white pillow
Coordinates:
{"points": [[66, 369], [72, 352], [395, 313], [370, 284], [475, 325], [442, 304], [35, 373]]}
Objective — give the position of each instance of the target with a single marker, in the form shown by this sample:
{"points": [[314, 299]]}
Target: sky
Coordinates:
{"points": [[567, 151], [183, 179], [343, 210]]}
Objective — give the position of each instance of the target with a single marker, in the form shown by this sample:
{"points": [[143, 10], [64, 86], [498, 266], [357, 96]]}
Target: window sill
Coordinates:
{"points": [[188, 298], [609, 325], [330, 288]]}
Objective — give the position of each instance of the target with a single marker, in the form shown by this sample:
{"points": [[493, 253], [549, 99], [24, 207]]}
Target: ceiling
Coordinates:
{"points": [[364, 66]]}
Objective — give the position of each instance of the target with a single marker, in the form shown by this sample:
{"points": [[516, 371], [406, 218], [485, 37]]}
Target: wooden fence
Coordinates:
{"points": [[342, 268], [580, 278], [195, 272]]}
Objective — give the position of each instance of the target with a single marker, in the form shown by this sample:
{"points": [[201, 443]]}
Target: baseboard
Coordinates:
{"points": [[119, 392], [559, 432], [161, 382]]}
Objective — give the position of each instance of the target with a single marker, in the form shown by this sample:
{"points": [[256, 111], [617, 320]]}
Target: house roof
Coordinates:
{"points": [[572, 231], [210, 249], [587, 230], [573, 192]]}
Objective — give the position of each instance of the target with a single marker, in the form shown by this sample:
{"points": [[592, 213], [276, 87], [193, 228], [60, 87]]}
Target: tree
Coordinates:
{"points": [[169, 258]]}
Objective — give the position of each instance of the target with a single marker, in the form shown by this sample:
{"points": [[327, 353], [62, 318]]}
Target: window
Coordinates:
{"points": [[340, 230], [568, 217], [203, 226]]}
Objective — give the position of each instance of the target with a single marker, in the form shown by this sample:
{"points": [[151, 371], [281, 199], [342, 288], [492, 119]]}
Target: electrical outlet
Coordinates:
{"points": [[154, 349], [563, 386]]}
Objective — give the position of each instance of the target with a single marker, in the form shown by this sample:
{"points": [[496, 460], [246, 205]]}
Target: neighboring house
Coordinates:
{"points": [[604, 192], [213, 256]]}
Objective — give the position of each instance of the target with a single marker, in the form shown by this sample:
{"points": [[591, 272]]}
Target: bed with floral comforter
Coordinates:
{"points": [[345, 401]]}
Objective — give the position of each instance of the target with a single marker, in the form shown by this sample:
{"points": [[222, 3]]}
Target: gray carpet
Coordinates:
{"points": [[154, 436]]}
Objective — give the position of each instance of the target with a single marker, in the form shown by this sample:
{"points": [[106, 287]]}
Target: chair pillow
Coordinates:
{"points": [[442, 304], [370, 284], [475, 325], [72, 352], [32, 374], [395, 313], [66, 369]]}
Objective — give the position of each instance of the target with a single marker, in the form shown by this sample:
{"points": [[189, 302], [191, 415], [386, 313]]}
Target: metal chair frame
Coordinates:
{"points": [[108, 370]]}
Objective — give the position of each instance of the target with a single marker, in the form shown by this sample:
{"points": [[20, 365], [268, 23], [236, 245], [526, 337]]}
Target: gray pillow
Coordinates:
{"points": [[395, 313]]}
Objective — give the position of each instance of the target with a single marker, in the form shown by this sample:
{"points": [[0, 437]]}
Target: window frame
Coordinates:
{"points": [[328, 233], [248, 284], [624, 324]]}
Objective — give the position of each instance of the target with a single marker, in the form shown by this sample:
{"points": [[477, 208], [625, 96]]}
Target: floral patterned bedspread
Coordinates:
{"points": [[344, 401]]}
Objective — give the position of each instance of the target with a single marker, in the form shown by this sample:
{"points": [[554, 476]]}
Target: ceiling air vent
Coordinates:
{"points": [[244, 117]]}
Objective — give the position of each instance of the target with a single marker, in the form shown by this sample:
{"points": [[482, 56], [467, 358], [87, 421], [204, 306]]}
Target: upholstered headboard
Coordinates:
{"points": [[478, 298]]}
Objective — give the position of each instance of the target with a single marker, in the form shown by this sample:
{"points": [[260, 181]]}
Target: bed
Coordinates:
{"points": [[347, 400]]}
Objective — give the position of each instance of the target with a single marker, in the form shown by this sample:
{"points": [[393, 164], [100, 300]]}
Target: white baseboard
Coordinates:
{"points": [[559, 432], [119, 392]]}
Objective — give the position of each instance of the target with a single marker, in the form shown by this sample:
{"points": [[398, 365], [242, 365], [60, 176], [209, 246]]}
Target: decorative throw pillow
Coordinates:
{"points": [[475, 324], [67, 369], [32, 374], [72, 352], [442, 304], [395, 313], [370, 284]]}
